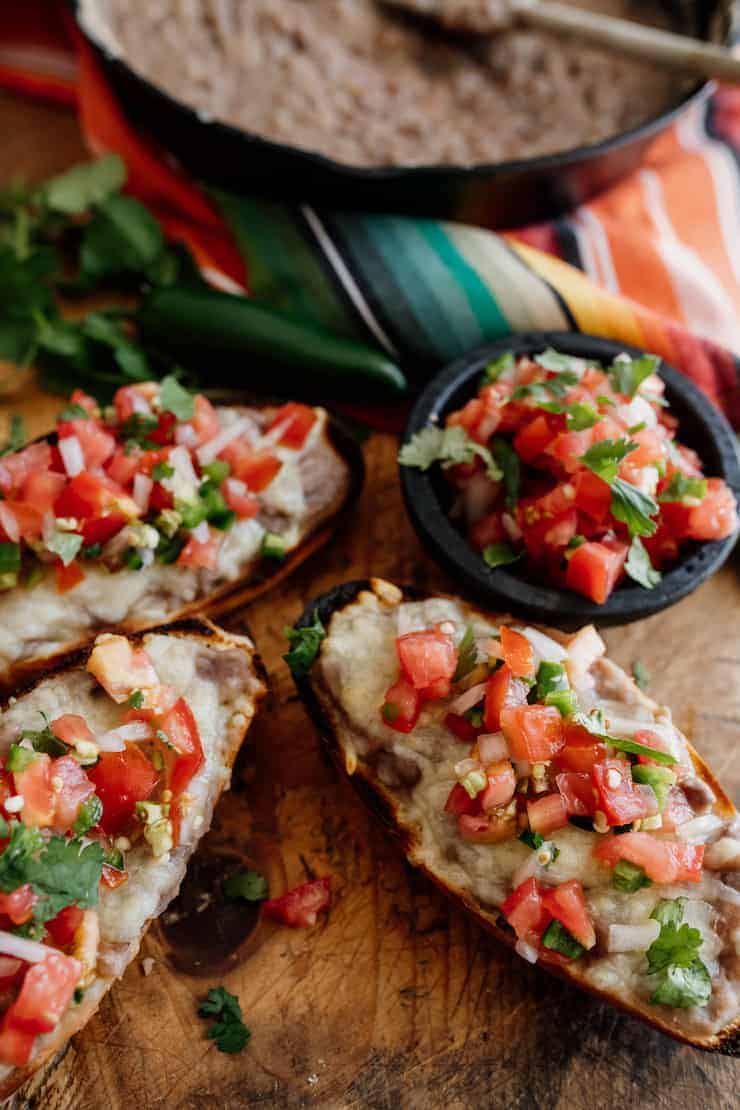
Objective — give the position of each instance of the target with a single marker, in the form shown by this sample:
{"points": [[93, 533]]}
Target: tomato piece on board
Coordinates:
{"points": [[402, 706], [181, 729], [567, 905], [68, 577], [595, 567], [518, 653], [18, 905], [577, 793], [121, 668], [428, 660], [75, 789], [63, 927], [502, 691], [299, 907], [296, 421], [547, 813], [46, 992], [97, 444], [715, 517], [619, 798], [533, 732], [201, 554], [34, 785], [526, 912], [664, 861], [121, 779], [15, 468]]}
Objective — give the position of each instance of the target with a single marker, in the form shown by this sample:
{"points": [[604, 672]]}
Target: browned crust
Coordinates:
{"points": [[381, 802], [200, 629], [233, 595]]}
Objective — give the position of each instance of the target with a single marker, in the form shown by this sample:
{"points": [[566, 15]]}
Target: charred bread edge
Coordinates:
{"points": [[381, 803], [233, 595], [195, 628]]}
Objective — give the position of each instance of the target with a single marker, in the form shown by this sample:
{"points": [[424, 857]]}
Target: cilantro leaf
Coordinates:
{"points": [[551, 359], [604, 457], [447, 446], [510, 467], [16, 436], [639, 567], [65, 874], [25, 841], [579, 416], [44, 740], [174, 398], [683, 980], [245, 884], [633, 507], [229, 1032], [640, 674], [627, 374], [83, 186], [669, 911], [467, 654], [73, 412], [304, 646], [674, 946], [64, 544], [594, 723], [495, 369], [122, 238], [136, 699], [220, 1003], [230, 1036], [684, 986], [533, 840], [500, 555], [682, 487]]}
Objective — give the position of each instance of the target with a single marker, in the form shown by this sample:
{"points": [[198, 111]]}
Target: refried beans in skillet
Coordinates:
{"points": [[353, 81]]}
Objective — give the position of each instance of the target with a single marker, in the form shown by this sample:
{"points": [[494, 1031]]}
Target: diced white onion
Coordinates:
{"points": [[143, 485], [139, 403], [638, 411], [492, 648], [465, 766], [48, 526], [115, 739], [467, 700], [146, 555], [186, 435], [478, 496], [527, 870], [585, 648], [512, 529], [632, 938], [544, 646], [22, 949], [73, 458], [200, 533], [701, 829], [492, 746], [179, 459], [9, 523], [526, 951], [236, 486], [213, 448]]}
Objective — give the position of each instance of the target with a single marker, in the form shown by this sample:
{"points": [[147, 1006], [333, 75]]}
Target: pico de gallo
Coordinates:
{"points": [[161, 476], [589, 804], [575, 469], [73, 804]]}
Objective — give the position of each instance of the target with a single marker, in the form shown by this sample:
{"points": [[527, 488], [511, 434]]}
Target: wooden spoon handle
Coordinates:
{"points": [[664, 47]]}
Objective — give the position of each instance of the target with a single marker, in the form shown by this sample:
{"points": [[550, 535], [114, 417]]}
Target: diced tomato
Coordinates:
{"points": [[160, 498], [650, 450], [501, 784], [518, 653], [487, 530], [480, 417], [42, 488], [85, 401], [536, 436], [19, 519], [402, 706], [11, 974], [34, 784], [428, 659], [625, 801], [582, 749], [664, 861], [46, 992], [94, 495], [120, 668], [165, 429], [243, 504], [97, 444], [15, 1045], [181, 729], [663, 546], [545, 533], [594, 568], [715, 517], [203, 554], [592, 495], [299, 907], [112, 877], [71, 728], [63, 927], [567, 905], [297, 421], [132, 399], [205, 419], [568, 447], [75, 788], [68, 577], [157, 701], [15, 468], [526, 912], [502, 691], [459, 801], [121, 779], [533, 732], [101, 529], [122, 467], [461, 727], [547, 813], [577, 793], [18, 905], [255, 468], [676, 810]]}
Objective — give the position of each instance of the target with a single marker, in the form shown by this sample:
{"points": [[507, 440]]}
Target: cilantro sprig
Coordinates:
{"points": [[449, 447], [227, 1029], [61, 871], [627, 374], [682, 978], [246, 884], [304, 646], [628, 504]]}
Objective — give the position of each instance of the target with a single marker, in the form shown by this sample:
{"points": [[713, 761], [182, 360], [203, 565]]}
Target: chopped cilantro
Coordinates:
{"points": [[510, 467], [543, 392], [576, 541], [639, 567], [604, 457], [62, 872], [10, 558], [627, 374], [682, 487], [635, 428], [273, 546], [495, 369], [533, 840], [228, 1030], [132, 559], [500, 555], [136, 699], [629, 504], [74, 412], [176, 399], [135, 431], [467, 655], [162, 470], [245, 884], [44, 740], [92, 551], [550, 677], [673, 957], [304, 646], [447, 446], [640, 674], [553, 360], [389, 711]]}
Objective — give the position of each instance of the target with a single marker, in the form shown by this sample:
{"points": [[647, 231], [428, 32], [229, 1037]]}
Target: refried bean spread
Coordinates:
{"points": [[352, 80]]}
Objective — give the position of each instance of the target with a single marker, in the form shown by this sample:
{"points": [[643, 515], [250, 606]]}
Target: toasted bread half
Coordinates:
{"points": [[361, 623], [38, 626], [223, 680]]}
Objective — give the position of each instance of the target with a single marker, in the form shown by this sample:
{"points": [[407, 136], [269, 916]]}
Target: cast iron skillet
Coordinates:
{"points": [[428, 495], [495, 195]]}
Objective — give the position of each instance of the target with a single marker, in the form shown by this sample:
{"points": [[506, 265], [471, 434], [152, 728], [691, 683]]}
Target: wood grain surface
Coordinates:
{"points": [[395, 1000]]}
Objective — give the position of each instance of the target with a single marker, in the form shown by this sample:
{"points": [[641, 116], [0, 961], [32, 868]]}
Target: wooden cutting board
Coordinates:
{"points": [[395, 999]]}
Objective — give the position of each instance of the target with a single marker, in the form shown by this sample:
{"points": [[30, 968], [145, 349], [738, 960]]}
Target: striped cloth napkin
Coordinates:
{"points": [[653, 261]]}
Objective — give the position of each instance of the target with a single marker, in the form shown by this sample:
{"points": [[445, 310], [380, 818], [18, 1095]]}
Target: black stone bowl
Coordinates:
{"points": [[428, 495]]}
